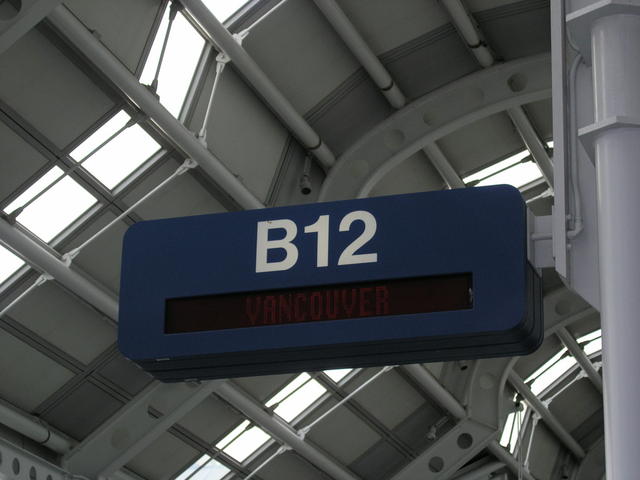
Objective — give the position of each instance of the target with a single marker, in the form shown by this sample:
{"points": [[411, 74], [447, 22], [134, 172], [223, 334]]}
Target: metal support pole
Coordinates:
{"points": [[282, 431], [504, 456], [532, 142], [34, 428], [616, 80], [352, 38], [481, 473], [581, 357], [549, 419], [383, 79], [250, 70], [436, 391], [44, 261], [185, 140]]}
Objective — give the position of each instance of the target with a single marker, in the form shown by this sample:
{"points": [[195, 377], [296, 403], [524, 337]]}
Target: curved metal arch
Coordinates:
{"points": [[432, 117]]}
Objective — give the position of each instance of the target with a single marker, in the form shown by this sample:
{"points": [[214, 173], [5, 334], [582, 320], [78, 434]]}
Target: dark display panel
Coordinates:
{"points": [[317, 304]]}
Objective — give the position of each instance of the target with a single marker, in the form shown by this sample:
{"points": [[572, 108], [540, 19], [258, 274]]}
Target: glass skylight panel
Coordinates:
{"points": [[338, 374], [56, 208], [511, 171], [590, 336], [553, 373], [179, 64], [9, 263], [288, 389], [224, 9], [511, 430], [205, 468], [301, 399], [241, 443], [43, 182], [115, 123], [593, 346], [116, 160]]}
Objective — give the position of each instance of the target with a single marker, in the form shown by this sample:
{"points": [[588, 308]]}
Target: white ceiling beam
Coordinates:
{"points": [[69, 277], [383, 79], [282, 431], [34, 428], [273, 97], [549, 418], [580, 356], [473, 37], [185, 140]]}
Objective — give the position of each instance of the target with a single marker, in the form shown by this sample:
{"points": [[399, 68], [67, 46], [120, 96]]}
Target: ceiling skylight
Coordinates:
{"points": [[243, 441], [551, 371], [205, 468], [120, 156], [338, 374], [224, 9], [511, 430], [9, 263], [297, 396], [511, 171], [179, 63], [54, 208]]}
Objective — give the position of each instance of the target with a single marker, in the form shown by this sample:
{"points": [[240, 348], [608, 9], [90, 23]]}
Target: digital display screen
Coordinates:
{"points": [[318, 304]]}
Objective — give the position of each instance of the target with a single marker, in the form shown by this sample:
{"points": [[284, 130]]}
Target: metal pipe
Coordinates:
{"points": [[580, 356], [41, 259], [443, 166], [436, 391], [469, 31], [34, 428], [532, 142], [482, 472], [256, 77], [282, 431], [185, 140], [549, 419], [616, 76], [504, 456], [354, 41], [383, 79], [473, 37]]}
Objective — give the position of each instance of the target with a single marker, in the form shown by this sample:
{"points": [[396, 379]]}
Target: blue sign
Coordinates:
{"points": [[408, 278]]}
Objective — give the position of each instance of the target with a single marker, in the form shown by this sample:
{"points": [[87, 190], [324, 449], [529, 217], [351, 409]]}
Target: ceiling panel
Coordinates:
{"points": [[101, 258], [27, 377], [18, 158], [349, 112], [415, 174], [183, 196], [321, 60], [472, 147], [384, 26], [576, 404], [211, 419], [124, 26], [379, 462], [65, 321], [82, 410], [290, 465], [518, 29], [263, 387], [430, 61], [390, 399], [540, 114], [242, 133], [42, 85], [163, 458], [125, 374], [343, 435]]}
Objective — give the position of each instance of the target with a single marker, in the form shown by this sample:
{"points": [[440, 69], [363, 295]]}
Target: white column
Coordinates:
{"points": [[616, 74]]}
